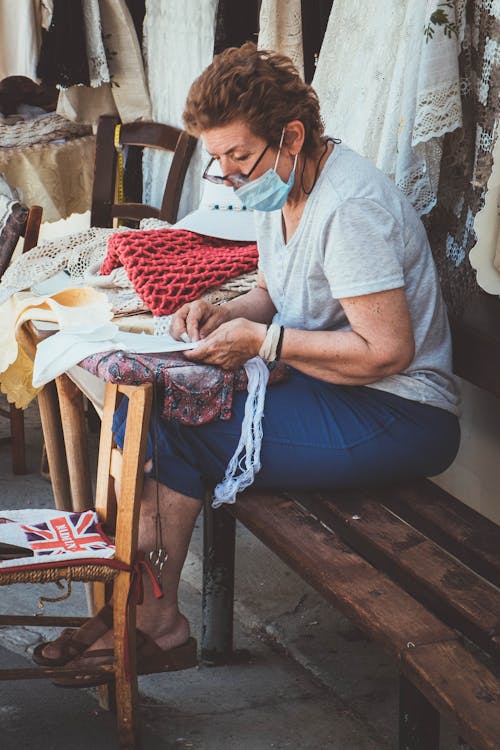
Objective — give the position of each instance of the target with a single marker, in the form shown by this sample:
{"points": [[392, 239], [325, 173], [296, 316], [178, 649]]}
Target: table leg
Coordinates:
{"points": [[76, 442], [50, 418]]}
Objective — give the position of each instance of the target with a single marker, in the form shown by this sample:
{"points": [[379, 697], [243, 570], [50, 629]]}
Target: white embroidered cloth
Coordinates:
{"points": [[394, 99]]}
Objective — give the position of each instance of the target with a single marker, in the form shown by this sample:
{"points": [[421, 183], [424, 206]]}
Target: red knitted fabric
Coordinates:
{"points": [[169, 267]]}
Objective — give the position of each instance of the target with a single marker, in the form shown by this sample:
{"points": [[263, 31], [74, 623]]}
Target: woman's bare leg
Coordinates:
{"points": [[159, 618]]}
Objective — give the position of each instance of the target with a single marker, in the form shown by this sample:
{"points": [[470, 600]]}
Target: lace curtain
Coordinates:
{"points": [[281, 29], [394, 99], [467, 155], [178, 45]]}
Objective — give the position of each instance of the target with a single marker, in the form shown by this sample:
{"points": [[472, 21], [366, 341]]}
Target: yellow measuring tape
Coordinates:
{"points": [[119, 167]]}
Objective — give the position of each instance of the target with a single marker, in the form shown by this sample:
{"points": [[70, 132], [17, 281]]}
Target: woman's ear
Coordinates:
{"points": [[294, 137]]}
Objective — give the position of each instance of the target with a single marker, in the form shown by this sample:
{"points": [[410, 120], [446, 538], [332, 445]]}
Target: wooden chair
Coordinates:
{"points": [[106, 198], [29, 229], [126, 531]]}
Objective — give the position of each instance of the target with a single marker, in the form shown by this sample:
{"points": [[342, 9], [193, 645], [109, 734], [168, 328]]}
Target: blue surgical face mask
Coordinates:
{"points": [[268, 192]]}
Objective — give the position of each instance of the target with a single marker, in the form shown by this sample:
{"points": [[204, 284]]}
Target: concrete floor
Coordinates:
{"points": [[313, 681]]}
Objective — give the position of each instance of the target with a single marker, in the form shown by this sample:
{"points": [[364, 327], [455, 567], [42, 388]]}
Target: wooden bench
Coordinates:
{"points": [[413, 567]]}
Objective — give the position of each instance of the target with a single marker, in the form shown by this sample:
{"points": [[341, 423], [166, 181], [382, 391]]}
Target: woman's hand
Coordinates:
{"points": [[229, 345], [197, 319]]}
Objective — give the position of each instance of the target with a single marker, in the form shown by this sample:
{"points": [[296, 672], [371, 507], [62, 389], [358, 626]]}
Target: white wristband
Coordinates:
{"points": [[269, 346]]}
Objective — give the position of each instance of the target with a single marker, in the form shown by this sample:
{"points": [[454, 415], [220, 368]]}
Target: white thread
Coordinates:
{"points": [[248, 464]]}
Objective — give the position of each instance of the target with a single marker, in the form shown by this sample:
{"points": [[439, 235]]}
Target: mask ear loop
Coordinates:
{"points": [[279, 152], [279, 149]]}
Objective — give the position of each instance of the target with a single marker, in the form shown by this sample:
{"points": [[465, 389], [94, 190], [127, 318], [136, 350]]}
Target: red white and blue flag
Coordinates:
{"points": [[74, 532], [32, 537]]}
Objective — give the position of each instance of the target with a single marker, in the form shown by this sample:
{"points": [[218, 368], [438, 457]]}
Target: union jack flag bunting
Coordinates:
{"points": [[72, 532]]}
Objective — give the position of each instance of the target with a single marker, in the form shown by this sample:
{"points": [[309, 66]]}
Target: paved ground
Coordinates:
{"points": [[313, 682]]}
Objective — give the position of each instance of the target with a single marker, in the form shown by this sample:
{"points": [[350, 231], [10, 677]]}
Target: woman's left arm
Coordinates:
{"points": [[380, 343]]}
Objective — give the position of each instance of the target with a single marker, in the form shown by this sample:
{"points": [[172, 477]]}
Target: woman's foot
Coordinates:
{"points": [[169, 651], [168, 632], [73, 641]]}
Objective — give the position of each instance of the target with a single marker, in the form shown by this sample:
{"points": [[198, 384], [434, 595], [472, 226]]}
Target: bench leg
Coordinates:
{"points": [[218, 586], [418, 719]]}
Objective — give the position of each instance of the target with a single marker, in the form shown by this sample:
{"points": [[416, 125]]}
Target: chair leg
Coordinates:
{"points": [[126, 687], [18, 440], [50, 417]]}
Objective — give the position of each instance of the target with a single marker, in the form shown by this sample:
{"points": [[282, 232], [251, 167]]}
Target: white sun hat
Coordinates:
{"points": [[220, 214]]}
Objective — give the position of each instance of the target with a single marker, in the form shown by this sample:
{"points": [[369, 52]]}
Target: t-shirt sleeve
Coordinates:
{"points": [[364, 250]]}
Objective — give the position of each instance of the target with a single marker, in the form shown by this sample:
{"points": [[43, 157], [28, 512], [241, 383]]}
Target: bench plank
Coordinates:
{"points": [[368, 597], [460, 687], [454, 592], [464, 532]]}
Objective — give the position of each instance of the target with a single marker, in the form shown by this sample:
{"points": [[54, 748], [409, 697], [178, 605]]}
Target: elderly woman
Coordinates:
{"points": [[347, 296]]}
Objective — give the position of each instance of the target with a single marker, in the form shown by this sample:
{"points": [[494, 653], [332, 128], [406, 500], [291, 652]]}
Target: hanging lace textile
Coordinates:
{"points": [[96, 53], [178, 45], [281, 29], [63, 55], [395, 98], [127, 93], [467, 155]]}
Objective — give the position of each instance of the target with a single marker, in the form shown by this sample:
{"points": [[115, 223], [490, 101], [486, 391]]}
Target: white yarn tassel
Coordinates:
{"points": [[248, 465]]}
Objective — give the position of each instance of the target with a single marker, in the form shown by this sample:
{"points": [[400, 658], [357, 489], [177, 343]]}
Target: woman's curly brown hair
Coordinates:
{"points": [[260, 87]]}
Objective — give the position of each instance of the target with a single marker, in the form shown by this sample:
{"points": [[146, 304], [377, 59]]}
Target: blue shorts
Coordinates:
{"points": [[316, 436]]}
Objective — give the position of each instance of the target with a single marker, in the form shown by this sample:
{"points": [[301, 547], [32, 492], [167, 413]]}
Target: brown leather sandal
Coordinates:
{"points": [[151, 659], [71, 642]]}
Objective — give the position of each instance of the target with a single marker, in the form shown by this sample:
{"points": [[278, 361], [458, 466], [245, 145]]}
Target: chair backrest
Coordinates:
{"points": [[131, 463], [145, 134], [22, 222]]}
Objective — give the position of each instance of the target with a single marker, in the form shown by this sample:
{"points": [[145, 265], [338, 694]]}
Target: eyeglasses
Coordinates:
{"points": [[237, 179]]}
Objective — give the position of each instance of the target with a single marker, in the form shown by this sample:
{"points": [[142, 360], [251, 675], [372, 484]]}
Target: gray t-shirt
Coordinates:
{"points": [[358, 235]]}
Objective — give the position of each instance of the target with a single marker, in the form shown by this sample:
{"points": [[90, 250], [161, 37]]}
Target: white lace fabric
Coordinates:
{"points": [[178, 45], [395, 98], [125, 92], [96, 52], [280, 29]]}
